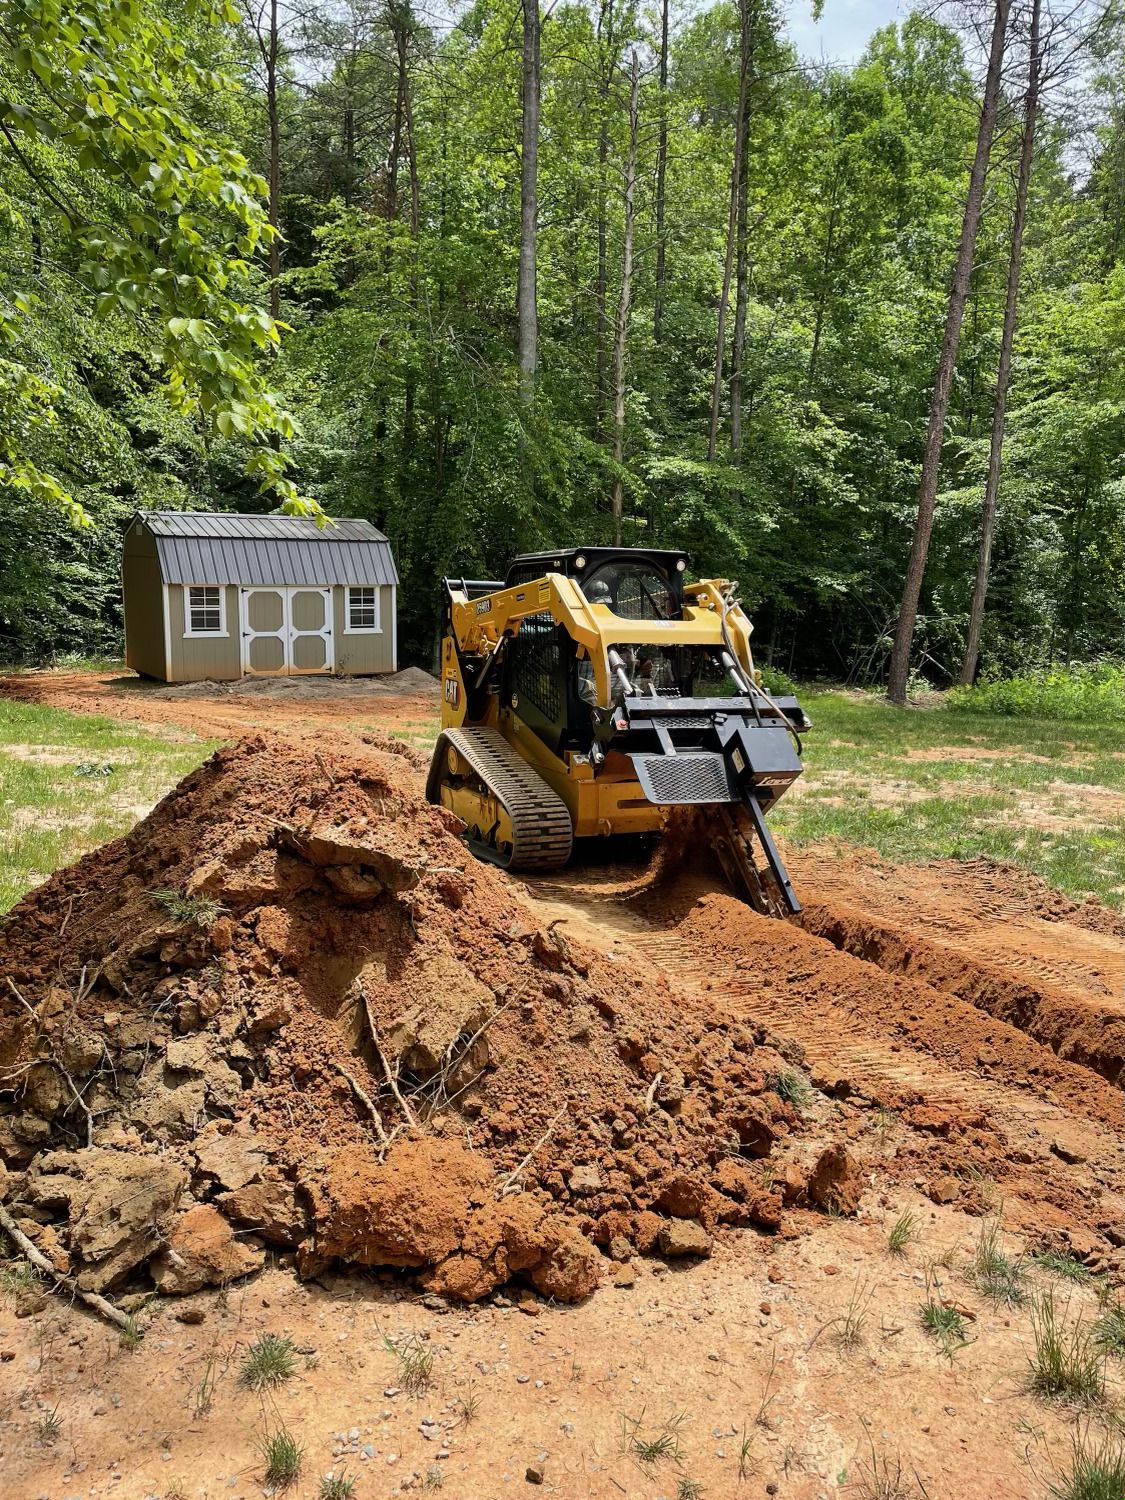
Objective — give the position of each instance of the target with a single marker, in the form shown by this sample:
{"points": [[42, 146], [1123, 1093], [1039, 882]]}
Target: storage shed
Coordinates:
{"points": [[219, 596]]}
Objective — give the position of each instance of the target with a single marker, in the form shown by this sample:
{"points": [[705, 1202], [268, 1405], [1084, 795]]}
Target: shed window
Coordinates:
{"points": [[205, 611], [363, 611]]}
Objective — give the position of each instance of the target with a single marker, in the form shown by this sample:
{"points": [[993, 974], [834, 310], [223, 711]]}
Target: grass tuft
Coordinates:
{"points": [[282, 1455], [1109, 1329], [903, 1230], [1097, 1471], [792, 1087], [48, 1427], [651, 1445], [945, 1324], [336, 1487], [434, 1478], [415, 1362], [132, 1334], [1057, 1263], [269, 1361], [688, 1489], [202, 911], [1069, 1364], [994, 1274]]}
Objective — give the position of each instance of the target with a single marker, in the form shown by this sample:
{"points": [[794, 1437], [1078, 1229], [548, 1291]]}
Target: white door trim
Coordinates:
{"points": [[287, 633]]}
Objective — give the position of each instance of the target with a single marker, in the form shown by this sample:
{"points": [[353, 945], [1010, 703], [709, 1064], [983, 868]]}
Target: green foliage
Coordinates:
{"points": [[122, 203], [1085, 692], [282, 1456], [132, 227]]}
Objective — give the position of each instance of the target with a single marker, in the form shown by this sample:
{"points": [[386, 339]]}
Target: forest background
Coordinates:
{"points": [[734, 272]]}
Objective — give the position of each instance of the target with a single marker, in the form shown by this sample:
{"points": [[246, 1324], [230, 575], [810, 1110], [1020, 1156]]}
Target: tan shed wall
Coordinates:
{"points": [[216, 657], [364, 655], [143, 601]]}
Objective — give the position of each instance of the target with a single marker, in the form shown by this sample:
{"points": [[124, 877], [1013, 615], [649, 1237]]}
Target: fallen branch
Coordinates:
{"points": [[508, 1184], [368, 1104], [391, 1077], [42, 1264]]}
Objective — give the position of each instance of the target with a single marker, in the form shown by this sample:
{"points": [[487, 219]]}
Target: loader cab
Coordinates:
{"points": [[545, 678], [637, 583]]}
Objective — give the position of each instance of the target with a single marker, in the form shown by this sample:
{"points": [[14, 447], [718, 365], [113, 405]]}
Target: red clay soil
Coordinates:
{"points": [[357, 1041], [215, 710], [987, 933]]}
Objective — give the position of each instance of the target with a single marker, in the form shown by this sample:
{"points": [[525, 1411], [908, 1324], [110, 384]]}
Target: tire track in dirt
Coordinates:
{"points": [[878, 1038], [1014, 989]]}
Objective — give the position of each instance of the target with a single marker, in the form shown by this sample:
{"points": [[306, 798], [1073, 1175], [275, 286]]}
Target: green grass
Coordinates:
{"points": [[1097, 1471], [994, 1274], [864, 786], [945, 1325], [268, 1362], [1068, 1364], [58, 799], [902, 1231], [281, 1455], [199, 911], [1056, 1263]]}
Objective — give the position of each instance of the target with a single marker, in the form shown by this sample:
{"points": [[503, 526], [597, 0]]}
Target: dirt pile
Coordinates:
{"points": [[290, 1010]]}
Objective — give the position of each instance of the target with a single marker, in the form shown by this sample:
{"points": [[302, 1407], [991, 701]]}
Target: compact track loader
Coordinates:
{"points": [[593, 689]]}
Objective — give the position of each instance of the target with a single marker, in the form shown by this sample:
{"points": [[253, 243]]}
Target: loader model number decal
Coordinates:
{"points": [[452, 691], [483, 606]]}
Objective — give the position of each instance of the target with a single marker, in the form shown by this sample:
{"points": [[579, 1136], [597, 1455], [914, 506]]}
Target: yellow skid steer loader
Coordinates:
{"points": [[593, 689]]}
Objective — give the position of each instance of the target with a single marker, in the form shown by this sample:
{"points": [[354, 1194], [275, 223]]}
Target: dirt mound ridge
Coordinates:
{"points": [[291, 1010]]}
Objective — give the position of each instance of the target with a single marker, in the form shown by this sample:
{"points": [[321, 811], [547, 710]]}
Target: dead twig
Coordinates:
{"points": [[368, 1104], [26, 1005], [650, 1096], [41, 1263], [508, 1183], [392, 1078]]}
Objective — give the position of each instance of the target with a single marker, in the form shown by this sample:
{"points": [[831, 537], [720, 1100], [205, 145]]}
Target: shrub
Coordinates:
{"points": [[1091, 692], [775, 682]]}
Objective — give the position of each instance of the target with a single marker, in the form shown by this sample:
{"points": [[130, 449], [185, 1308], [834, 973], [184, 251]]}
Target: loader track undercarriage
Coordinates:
{"points": [[513, 817]]}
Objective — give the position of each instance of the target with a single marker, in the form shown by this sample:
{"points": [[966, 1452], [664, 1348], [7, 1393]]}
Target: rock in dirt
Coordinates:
{"points": [[233, 1157], [943, 1189], [835, 1183], [684, 1237], [115, 1203], [269, 1207], [201, 1250]]}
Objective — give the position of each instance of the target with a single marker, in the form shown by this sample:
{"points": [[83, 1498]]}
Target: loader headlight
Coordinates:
{"points": [[681, 564], [580, 561]]}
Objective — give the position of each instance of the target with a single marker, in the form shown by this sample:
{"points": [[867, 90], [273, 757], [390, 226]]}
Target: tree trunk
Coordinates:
{"points": [[398, 121], [605, 35], [1003, 371], [732, 227], [529, 209], [661, 167], [939, 402], [621, 319], [741, 267], [274, 205]]}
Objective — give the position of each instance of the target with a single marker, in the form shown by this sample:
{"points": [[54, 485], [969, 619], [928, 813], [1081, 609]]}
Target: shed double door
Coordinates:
{"points": [[286, 631]]}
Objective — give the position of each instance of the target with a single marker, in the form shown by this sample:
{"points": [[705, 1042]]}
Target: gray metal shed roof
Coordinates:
{"points": [[209, 547]]}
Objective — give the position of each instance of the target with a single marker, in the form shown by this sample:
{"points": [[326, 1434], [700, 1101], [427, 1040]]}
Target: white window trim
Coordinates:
{"points": [[205, 635], [377, 628]]}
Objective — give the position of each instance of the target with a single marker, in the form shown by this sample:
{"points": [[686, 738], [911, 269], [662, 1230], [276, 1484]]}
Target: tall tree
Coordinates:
{"points": [[943, 380], [661, 176], [624, 299], [737, 186], [527, 308], [1004, 366]]}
